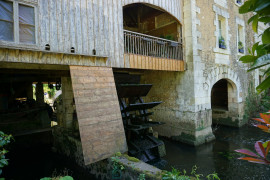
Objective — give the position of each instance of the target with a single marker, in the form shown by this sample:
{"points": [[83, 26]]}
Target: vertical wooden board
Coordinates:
{"points": [[165, 64], [101, 130], [100, 27], [146, 63], [59, 23], [53, 26], [72, 23], [115, 32], [66, 25], [78, 25], [120, 34], [110, 33], [85, 38], [46, 22], [42, 25], [150, 63], [90, 29], [131, 60], [139, 62], [105, 26]]}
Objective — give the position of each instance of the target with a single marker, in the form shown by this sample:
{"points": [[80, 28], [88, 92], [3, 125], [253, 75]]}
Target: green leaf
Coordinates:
{"points": [[251, 19], [267, 72], [248, 59], [246, 7], [261, 50], [255, 23], [264, 85], [264, 19], [254, 47], [266, 36], [4, 162], [261, 4], [66, 178], [46, 178], [265, 144], [261, 61]]}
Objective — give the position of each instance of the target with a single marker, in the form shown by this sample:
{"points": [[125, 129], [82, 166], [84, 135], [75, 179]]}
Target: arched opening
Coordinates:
{"points": [[219, 95], [151, 31], [224, 103], [151, 20]]}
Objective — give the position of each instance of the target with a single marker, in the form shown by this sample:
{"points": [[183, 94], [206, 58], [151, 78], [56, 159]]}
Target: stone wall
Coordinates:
{"points": [[70, 146], [180, 123], [187, 109]]}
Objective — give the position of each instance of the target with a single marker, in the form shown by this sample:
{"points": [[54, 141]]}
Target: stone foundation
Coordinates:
{"points": [[65, 143]]}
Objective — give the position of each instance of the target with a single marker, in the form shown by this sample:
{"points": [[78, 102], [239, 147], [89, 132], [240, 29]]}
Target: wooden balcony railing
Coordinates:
{"points": [[137, 43]]}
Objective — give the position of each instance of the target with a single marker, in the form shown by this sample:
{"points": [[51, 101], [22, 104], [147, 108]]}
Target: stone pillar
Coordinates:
{"points": [[40, 93], [67, 103]]}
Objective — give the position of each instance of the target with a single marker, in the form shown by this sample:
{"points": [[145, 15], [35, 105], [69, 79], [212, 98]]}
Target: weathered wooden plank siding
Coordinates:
{"points": [[99, 116], [89, 24]]}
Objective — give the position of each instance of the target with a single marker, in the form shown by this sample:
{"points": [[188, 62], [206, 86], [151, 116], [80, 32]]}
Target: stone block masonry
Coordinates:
{"points": [[100, 121]]}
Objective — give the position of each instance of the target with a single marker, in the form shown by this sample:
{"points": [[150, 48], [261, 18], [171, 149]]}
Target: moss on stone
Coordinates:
{"points": [[118, 154], [133, 159]]}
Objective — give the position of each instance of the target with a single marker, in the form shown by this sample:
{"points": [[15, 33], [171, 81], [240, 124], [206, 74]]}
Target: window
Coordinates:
{"points": [[239, 2], [6, 21], [240, 37], [222, 36], [17, 22], [26, 24]]}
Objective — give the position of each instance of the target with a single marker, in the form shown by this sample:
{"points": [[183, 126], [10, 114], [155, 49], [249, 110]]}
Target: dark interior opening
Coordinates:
{"points": [[219, 95], [150, 20]]}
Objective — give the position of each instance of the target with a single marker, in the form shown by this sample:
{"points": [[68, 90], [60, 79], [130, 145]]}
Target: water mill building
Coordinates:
{"points": [[181, 57]]}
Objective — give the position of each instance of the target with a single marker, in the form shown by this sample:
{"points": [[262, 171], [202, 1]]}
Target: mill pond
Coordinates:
{"points": [[38, 160]]}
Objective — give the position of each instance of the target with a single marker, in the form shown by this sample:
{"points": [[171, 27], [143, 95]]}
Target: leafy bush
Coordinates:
{"points": [[262, 148], [177, 175], [260, 52], [256, 103], [4, 140]]}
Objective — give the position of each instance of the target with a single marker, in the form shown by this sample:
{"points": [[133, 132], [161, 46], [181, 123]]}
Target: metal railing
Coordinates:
{"points": [[137, 43]]}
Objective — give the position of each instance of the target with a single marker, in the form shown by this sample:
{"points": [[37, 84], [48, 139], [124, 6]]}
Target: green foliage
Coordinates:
{"points": [[255, 103], [177, 175], [213, 176], [262, 148], [4, 140], [117, 166], [240, 45], [193, 172], [221, 41], [260, 54], [50, 89], [141, 177], [58, 178]]}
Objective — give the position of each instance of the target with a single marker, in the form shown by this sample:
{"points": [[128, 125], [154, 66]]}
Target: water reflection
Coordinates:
{"points": [[219, 156]]}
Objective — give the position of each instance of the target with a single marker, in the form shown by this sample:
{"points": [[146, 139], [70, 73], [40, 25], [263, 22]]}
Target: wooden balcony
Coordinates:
{"points": [[149, 52]]}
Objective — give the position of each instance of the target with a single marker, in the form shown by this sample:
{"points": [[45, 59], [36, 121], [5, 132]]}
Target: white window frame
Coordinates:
{"points": [[222, 3], [240, 22], [224, 14], [16, 42], [236, 3]]}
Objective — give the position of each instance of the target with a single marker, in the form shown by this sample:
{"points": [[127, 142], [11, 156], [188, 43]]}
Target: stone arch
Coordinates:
{"points": [[169, 6], [223, 72], [232, 116]]}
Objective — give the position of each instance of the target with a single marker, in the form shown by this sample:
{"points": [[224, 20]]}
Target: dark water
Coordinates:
{"points": [[31, 158], [219, 156]]}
